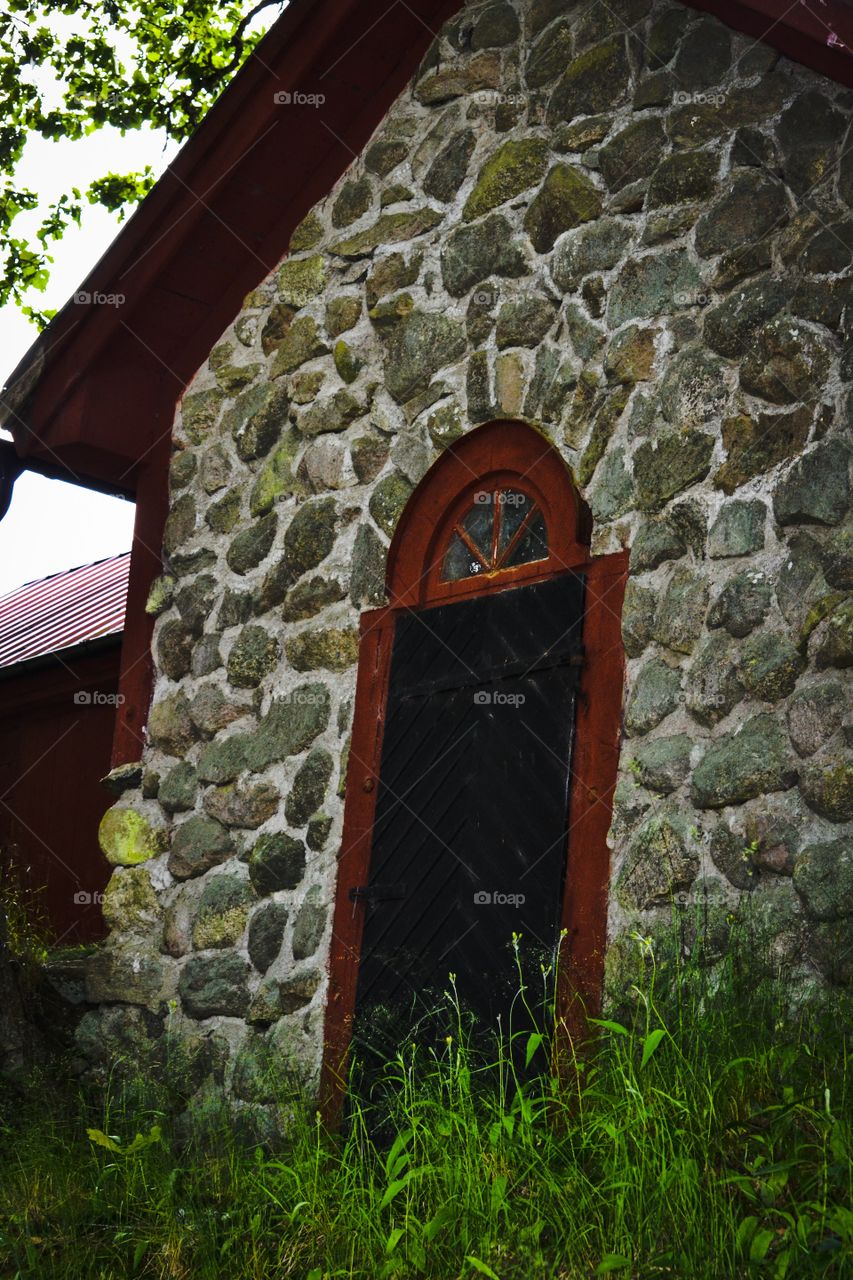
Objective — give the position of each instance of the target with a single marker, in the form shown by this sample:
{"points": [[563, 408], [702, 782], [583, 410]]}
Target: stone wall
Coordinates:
{"points": [[631, 228]]}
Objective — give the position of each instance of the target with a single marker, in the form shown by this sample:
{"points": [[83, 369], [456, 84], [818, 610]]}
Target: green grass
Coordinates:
{"points": [[23, 922], [705, 1133]]}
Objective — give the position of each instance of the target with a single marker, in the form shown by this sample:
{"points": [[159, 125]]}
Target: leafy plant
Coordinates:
{"points": [[70, 69]]}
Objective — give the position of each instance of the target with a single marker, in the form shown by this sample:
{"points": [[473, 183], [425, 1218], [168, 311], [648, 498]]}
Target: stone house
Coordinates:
{"points": [[531, 431]]}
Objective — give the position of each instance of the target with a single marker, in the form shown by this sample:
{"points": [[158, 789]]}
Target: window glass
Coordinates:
{"points": [[532, 544], [501, 529], [459, 562]]}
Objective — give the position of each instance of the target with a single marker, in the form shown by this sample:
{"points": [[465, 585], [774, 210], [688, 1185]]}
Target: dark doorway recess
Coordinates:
{"points": [[471, 815], [483, 756]]}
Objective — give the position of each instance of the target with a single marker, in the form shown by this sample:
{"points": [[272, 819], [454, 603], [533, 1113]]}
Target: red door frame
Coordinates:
{"points": [[500, 453]]}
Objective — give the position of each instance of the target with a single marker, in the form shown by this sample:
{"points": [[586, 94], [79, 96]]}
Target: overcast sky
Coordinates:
{"points": [[50, 525]]}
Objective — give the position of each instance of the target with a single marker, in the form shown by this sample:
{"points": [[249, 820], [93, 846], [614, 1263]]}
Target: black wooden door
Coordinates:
{"points": [[471, 819]]}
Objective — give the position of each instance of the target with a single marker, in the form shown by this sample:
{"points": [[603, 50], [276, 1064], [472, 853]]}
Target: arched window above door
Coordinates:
{"points": [[503, 528], [499, 505]]}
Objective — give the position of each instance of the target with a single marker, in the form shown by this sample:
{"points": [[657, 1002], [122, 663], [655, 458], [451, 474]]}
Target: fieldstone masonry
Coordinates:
{"points": [[631, 228]]}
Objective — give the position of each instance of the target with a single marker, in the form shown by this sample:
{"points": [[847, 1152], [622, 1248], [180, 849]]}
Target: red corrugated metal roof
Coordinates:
{"points": [[63, 610]]}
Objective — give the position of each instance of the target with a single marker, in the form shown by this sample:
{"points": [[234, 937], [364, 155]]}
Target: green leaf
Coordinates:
{"points": [[610, 1026], [394, 1239], [612, 1262], [125, 67], [650, 1043], [745, 1232], [393, 1161], [480, 1266], [139, 1143], [102, 1139], [398, 1185], [444, 1217], [761, 1242], [533, 1044]]}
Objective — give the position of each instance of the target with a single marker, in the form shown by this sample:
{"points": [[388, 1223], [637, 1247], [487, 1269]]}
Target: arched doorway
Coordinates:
{"points": [[485, 742]]}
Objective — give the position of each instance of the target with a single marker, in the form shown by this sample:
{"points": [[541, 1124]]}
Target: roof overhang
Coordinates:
{"points": [[816, 33], [95, 394]]}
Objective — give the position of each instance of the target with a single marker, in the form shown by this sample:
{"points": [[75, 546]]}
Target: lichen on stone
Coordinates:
{"points": [[127, 837]]}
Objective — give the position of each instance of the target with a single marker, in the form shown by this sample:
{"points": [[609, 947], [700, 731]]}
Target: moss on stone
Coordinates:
{"points": [[388, 500], [180, 523], [222, 912], [130, 903], [342, 314], [368, 454], [199, 413], [566, 199], [769, 666], [391, 228], [301, 342], [332, 648], [252, 545], [182, 469], [160, 595], [301, 279], [276, 479], [827, 788], [674, 462], [222, 516], [306, 233], [233, 377], [254, 655], [515, 167], [445, 425], [756, 445], [222, 930], [662, 860], [396, 193], [741, 765], [347, 362], [127, 838], [605, 424], [352, 201], [169, 725], [391, 311], [333, 414], [256, 418], [596, 80]]}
